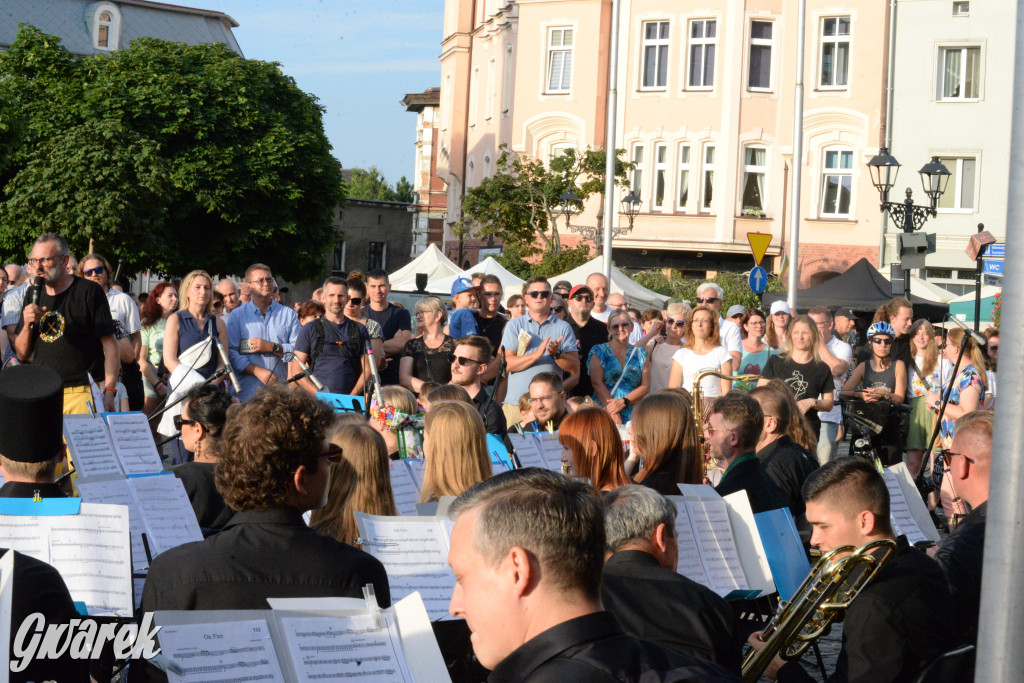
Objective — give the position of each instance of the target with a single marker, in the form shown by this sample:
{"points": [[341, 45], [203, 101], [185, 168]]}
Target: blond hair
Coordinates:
{"points": [[457, 444], [360, 482], [186, 283]]}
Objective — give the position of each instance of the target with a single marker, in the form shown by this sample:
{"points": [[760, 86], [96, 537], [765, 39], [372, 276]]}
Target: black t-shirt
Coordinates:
{"points": [[430, 365], [338, 366], [491, 328], [807, 380], [392, 320], [70, 332], [587, 337]]}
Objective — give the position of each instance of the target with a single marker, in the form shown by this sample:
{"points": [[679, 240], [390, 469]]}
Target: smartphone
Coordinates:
{"points": [[243, 346]]}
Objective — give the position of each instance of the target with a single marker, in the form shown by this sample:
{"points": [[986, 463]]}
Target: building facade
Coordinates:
{"points": [[705, 110], [429, 188], [953, 99]]}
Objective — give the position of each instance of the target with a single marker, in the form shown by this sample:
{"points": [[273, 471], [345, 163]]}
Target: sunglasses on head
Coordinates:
{"points": [[462, 360], [179, 421], [707, 299], [333, 453], [584, 297], [98, 270], [538, 294]]}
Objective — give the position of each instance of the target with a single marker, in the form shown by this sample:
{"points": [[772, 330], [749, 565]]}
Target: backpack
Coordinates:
{"points": [[352, 349]]}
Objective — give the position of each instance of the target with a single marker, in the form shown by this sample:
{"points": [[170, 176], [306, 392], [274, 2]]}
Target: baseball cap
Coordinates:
{"points": [[462, 284], [845, 313], [735, 309], [580, 288], [780, 307], [562, 284]]}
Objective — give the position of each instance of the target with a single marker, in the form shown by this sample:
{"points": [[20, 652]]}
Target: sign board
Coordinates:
{"points": [[977, 242], [996, 250], [758, 279], [759, 242], [992, 266]]}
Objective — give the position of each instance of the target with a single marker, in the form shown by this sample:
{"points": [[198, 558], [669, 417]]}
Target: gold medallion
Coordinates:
{"points": [[51, 326]]}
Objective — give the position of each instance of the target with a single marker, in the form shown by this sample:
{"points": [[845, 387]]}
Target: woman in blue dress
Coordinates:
{"points": [[618, 370]]}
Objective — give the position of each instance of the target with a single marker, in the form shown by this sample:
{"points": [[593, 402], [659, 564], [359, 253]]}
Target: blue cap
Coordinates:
{"points": [[462, 284]]}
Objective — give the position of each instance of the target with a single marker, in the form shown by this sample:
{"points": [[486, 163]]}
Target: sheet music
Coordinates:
{"points": [[168, 514], [92, 552], [134, 444], [416, 466], [899, 511], [404, 488], [528, 450], [718, 551], [414, 551], [28, 535], [92, 451], [688, 564], [119, 492], [552, 450], [217, 653], [345, 647]]}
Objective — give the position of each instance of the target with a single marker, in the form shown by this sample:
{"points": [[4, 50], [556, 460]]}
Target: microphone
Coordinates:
{"points": [[34, 295], [309, 373], [978, 338], [235, 384]]}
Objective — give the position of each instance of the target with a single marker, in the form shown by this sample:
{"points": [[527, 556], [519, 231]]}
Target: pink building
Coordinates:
{"points": [[706, 100], [431, 193]]}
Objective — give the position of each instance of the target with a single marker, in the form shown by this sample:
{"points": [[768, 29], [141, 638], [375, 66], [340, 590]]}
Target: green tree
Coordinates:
{"points": [[404, 191], [520, 202], [370, 184], [169, 156], [737, 291]]}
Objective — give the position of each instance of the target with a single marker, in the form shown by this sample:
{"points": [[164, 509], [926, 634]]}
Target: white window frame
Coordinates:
{"points": [[559, 49], [749, 168], [955, 186], [839, 172], [941, 72], [113, 27], [702, 43], [761, 42], [661, 176], [707, 167], [961, 8], [837, 41], [661, 47], [636, 182], [683, 183]]}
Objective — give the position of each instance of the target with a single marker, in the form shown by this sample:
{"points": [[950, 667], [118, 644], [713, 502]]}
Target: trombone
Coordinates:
{"points": [[825, 594], [698, 405]]}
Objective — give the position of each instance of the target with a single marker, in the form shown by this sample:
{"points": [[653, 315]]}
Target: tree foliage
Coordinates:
{"points": [[548, 265], [169, 156], [520, 202], [737, 291], [371, 184]]}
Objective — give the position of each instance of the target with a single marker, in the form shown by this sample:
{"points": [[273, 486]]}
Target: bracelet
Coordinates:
{"points": [[112, 390]]}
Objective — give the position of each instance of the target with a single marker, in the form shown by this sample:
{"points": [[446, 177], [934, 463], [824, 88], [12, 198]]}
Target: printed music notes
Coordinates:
{"points": [[404, 487], [133, 442], [707, 548], [111, 444], [240, 650], [538, 449], [902, 518], [345, 647]]}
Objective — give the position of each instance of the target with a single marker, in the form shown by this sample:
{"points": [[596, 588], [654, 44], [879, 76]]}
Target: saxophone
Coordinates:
{"points": [[699, 407]]}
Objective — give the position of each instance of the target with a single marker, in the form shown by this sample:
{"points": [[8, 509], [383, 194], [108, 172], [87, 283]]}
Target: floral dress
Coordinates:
{"points": [[613, 370], [967, 378]]}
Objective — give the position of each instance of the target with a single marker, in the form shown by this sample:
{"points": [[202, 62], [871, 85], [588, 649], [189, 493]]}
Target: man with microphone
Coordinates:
{"points": [[332, 346], [66, 325]]}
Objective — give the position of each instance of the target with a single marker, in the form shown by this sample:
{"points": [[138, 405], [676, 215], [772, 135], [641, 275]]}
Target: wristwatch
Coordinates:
{"points": [[626, 402], [557, 354], [277, 349]]}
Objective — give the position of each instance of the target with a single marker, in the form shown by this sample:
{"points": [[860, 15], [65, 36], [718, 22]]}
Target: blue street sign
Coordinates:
{"points": [[758, 279], [995, 250], [992, 266]]}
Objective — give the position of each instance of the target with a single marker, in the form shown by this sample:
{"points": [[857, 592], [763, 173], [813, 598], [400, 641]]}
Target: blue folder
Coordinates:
{"points": [[783, 550]]}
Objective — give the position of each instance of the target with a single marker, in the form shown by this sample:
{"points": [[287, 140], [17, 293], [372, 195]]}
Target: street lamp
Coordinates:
{"points": [[631, 206], [910, 217], [567, 207], [567, 203]]}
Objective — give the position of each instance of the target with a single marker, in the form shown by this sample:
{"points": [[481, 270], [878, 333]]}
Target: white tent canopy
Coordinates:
{"points": [[509, 282], [926, 290], [636, 295], [433, 262]]}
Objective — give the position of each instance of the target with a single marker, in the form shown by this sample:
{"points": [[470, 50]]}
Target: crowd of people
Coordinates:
{"points": [[568, 574]]}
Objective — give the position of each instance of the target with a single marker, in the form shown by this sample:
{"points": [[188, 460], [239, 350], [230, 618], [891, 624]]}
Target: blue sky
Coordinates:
{"points": [[358, 58]]}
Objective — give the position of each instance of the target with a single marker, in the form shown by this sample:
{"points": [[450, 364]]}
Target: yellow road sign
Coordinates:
{"points": [[759, 242]]}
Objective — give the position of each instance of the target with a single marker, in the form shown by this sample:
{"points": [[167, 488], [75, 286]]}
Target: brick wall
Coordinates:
{"points": [[819, 260]]}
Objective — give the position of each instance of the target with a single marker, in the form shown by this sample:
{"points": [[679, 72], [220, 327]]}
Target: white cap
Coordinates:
{"points": [[780, 307]]}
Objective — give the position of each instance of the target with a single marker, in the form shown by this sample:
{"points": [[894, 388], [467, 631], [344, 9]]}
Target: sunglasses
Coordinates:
{"points": [[673, 322], [98, 270], [462, 360], [707, 299], [218, 304], [333, 453], [583, 297], [179, 421], [949, 455], [557, 309], [537, 294], [355, 300], [883, 342], [993, 348], [620, 326]]}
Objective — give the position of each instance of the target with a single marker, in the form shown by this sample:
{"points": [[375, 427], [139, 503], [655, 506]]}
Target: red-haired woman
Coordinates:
{"points": [[592, 448], [161, 303]]}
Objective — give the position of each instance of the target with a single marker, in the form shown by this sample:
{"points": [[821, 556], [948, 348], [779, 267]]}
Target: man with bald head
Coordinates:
{"points": [[229, 289], [960, 555], [598, 284]]}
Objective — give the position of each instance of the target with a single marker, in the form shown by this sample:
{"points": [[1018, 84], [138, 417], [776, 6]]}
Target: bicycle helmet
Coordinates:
{"points": [[881, 327]]}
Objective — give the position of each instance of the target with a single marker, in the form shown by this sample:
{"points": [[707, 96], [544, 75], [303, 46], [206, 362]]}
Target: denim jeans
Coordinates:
{"points": [[827, 441]]}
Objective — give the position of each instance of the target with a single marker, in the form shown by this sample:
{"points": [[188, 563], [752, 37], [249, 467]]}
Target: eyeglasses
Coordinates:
{"points": [[557, 309], [41, 261], [707, 299], [538, 294], [621, 326], [179, 421], [583, 297], [673, 322], [262, 281], [333, 453], [880, 340], [218, 304], [993, 348], [949, 455], [462, 360], [98, 270], [702, 321], [356, 300], [711, 430], [490, 295], [533, 400]]}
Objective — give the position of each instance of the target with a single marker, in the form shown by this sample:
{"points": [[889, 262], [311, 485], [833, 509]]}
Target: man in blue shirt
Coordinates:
{"points": [[548, 345], [462, 321], [333, 345], [260, 332]]}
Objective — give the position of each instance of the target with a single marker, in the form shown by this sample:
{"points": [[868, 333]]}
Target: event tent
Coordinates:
{"points": [[433, 262], [927, 290], [861, 288], [509, 282], [963, 306], [636, 295]]}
